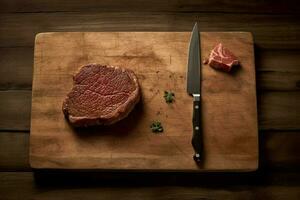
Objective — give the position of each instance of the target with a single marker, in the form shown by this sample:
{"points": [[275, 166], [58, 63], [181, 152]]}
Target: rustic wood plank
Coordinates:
{"points": [[15, 109], [277, 60], [269, 6], [276, 69], [16, 68], [270, 31], [278, 150], [14, 150], [21, 185], [278, 81], [279, 110], [276, 110]]}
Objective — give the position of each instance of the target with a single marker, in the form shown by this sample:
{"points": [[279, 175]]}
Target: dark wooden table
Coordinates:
{"points": [[276, 29]]}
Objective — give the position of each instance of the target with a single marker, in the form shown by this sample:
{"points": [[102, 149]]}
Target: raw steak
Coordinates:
{"points": [[101, 95], [221, 58]]}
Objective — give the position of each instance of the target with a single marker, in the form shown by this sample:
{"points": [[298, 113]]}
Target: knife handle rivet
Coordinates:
{"points": [[196, 127], [196, 106]]}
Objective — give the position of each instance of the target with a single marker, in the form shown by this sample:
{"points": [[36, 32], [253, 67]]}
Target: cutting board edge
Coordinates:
{"points": [[253, 168], [147, 170], [41, 34]]}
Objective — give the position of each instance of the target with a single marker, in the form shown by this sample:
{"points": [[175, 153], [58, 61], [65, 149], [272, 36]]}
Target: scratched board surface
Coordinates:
{"points": [[159, 59]]}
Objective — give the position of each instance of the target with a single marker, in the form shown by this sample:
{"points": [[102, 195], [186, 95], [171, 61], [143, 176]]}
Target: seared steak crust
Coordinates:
{"points": [[101, 95]]}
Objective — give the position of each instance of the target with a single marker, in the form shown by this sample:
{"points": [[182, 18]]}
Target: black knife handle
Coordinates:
{"points": [[197, 131]]}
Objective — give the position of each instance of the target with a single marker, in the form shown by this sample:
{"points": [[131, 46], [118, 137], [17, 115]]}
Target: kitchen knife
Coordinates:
{"points": [[194, 89]]}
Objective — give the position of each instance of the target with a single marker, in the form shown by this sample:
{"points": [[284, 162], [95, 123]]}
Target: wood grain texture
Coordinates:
{"points": [[222, 6], [277, 150], [15, 109], [278, 81], [270, 31], [14, 151], [21, 185], [277, 70], [16, 68], [159, 60], [277, 60], [285, 111], [280, 150]]}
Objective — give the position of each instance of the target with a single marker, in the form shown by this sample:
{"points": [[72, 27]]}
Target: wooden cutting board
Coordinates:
{"points": [[230, 133]]}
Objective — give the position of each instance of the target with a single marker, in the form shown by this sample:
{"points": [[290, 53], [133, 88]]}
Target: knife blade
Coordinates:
{"points": [[194, 89]]}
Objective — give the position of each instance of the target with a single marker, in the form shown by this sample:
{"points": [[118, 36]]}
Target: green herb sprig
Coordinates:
{"points": [[156, 127], [169, 96]]}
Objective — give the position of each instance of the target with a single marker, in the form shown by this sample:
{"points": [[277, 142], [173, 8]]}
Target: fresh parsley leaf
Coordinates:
{"points": [[156, 127], [169, 96]]}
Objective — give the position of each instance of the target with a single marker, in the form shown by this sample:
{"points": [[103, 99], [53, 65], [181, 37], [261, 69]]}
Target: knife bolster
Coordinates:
{"points": [[196, 97]]}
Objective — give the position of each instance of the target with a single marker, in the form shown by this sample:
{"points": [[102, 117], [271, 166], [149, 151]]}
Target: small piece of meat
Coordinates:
{"points": [[101, 95], [222, 59]]}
